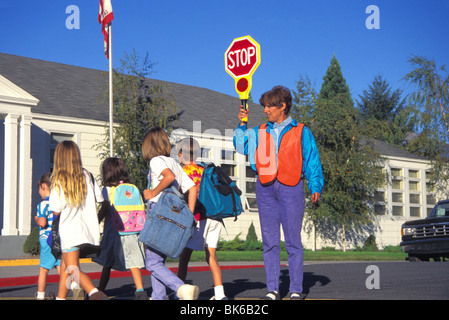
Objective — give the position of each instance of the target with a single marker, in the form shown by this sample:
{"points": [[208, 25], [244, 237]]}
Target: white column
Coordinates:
{"points": [[25, 176], [10, 176]]}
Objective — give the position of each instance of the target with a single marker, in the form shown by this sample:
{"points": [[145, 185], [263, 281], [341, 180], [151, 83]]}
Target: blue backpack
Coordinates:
{"points": [[219, 197], [169, 225]]}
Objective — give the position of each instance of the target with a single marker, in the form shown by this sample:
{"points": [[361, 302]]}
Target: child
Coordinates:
{"points": [[120, 252], [207, 231], [72, 196], [164, 172], [44, 219]]}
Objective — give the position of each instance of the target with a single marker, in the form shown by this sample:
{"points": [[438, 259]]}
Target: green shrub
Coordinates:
{"points": [[31, 244], [396, 248], [251, 236]]}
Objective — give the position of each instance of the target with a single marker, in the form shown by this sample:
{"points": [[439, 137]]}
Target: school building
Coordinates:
{"points": [[43, 103]]}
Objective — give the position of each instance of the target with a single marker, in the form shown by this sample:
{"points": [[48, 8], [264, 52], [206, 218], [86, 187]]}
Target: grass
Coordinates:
{"points": [[308, 256]]}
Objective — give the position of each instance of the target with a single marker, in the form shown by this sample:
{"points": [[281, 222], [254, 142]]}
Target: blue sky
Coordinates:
{"points": [[187, 39]]}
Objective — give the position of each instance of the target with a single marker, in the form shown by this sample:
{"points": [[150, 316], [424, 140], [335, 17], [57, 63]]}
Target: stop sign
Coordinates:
{"points": [[242, 57]]}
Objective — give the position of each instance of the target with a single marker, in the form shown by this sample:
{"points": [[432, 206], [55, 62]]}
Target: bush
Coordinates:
{"points": [[369, 245], [31, 244], [251, 236]]}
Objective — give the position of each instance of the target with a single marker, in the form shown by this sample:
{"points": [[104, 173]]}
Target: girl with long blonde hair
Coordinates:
{"points": [[73, 194]]}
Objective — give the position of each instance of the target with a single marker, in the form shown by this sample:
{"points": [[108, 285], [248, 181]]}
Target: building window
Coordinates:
{"points": [[415, 211], [415, 198], [397, 197], [205, 153], [398, 211], [228, 155], [413, 185], [379, 209], [56, 138], [413, 174]]}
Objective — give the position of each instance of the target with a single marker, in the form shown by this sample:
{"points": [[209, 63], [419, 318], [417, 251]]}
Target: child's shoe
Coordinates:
{"points": [[187, 292]]}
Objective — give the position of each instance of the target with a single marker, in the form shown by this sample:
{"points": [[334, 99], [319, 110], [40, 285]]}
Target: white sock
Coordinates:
{"points": [[94, 290], [40, 295], [219, 292], [74, 285], [57, 298]]}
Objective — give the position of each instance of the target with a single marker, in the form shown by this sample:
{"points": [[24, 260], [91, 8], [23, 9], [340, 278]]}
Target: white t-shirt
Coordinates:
{"points": [[158, 164], [78, 225]]}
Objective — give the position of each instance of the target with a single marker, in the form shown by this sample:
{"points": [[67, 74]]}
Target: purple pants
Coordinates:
{"points": [[281, 205], [161, 276]]}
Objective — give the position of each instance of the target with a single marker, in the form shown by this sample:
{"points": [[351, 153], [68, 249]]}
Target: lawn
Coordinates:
{"points": [[308, 256]]}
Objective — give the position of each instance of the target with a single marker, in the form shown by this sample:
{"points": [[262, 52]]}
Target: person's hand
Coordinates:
{"points": [[148, 194], [315, 197], [243, 114]]}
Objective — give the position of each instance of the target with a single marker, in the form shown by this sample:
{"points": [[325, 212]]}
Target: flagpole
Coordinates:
{"points": [[111, 116]]}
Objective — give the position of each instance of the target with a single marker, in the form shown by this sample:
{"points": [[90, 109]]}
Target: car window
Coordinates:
{"points": [[441, 211]]}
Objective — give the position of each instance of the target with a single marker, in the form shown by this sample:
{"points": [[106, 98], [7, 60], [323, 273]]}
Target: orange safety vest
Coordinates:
{"points": [[286, 166]]}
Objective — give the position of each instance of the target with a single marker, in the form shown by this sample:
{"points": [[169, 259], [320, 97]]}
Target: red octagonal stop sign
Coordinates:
{"points": [[242, 57]]}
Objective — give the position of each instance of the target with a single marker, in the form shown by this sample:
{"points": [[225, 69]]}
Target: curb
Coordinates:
{"points": [[29, 262], [32, 280]]}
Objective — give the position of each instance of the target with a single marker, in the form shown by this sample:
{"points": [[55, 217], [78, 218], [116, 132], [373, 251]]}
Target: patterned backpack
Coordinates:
{"points": [[128, 208]]}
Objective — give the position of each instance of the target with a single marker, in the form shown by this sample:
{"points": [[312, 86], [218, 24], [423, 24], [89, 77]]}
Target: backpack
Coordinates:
{"points": [[169, 225], [219, 196], [128, 208]]}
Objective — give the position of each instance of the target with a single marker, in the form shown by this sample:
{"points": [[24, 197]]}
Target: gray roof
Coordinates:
{"points": [[72, 91], [389, 150]]}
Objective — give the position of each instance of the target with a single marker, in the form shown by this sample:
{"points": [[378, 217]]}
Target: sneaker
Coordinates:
{"points": [[99, 295], [272, 295], [78, 294], [140, 295], [297, 296], [224, 298], [187, 292]]}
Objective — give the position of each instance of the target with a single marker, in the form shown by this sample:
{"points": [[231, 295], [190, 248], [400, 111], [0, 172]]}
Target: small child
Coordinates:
{"points": [[73, 195], [207, 232], [119, 252], [44, 219], [164, 172]]}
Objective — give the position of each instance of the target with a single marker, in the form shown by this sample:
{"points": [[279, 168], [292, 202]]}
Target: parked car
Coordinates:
{"points": [[428, 238]]}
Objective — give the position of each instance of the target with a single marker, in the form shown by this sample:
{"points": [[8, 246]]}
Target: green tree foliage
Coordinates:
{"points": [[139, 104], [431, 111], [383, 114], [351, 168]]}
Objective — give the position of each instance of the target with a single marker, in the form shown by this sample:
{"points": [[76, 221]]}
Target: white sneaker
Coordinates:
{"points": [[187, 292]]}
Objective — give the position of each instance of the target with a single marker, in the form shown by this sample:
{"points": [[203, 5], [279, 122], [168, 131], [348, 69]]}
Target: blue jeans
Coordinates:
{"points": [[281, 205]]}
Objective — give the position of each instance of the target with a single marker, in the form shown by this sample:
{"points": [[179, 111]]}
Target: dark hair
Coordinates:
{"points": [[113, 171], [45, 179], [276, 97], [189, 148]]}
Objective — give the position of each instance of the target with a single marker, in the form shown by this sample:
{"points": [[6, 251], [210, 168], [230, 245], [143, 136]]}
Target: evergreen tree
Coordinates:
{"points": [[378, 102], [352, 170], [383, 115], [334, 84]]}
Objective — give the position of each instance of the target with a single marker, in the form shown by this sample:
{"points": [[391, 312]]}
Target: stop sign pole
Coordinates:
{"points": [[241, 60]]}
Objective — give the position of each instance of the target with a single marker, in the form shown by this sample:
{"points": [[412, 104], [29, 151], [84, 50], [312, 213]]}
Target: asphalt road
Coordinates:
{"points": [[243, 282]]}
